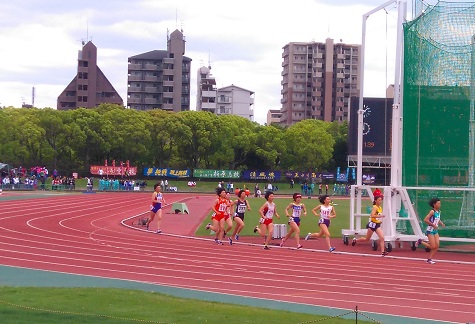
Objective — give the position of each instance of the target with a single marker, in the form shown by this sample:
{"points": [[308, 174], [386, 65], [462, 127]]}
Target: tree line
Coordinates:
{"points": [[73, 140]]}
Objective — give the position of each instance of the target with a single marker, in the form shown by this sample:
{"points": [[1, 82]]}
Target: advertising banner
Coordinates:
{"points": [[217, 174], [166, 172], [261, 175], [103, 171]]}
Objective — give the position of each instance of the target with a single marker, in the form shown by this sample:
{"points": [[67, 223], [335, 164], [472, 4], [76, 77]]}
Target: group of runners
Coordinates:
{"points": [[225, 211]]}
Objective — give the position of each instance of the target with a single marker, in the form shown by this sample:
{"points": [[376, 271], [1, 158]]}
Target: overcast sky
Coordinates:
{"points": [[242, 40]]}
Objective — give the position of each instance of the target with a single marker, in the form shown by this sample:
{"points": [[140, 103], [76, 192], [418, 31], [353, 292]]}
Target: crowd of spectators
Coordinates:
{"points": [[121, 184]]}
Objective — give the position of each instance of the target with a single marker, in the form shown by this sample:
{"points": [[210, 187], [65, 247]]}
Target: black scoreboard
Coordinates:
{"points": [[377, 114]]}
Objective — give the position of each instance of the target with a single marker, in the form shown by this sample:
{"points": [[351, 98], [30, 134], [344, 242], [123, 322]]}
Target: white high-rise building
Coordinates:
{"points": [[235, 100], [206, 90]]}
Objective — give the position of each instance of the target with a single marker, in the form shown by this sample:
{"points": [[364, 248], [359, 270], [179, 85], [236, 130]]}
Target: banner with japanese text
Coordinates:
{"points": [[308, 175], [261, 175], [103, 170], [166, 172], [210, 173]]}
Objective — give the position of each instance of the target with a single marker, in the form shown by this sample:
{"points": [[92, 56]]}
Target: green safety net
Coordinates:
{"points": [[438, 103]]}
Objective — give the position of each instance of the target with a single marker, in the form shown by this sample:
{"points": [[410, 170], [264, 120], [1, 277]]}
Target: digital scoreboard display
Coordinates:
{"points": [[377, 114]]}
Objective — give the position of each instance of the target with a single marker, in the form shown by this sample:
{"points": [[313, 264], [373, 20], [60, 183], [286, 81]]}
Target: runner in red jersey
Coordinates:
{"points": [[219, 207]]}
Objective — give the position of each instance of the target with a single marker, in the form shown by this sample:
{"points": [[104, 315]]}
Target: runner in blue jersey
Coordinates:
{"points": [[156, 207], [294, 219], [241, 204]]}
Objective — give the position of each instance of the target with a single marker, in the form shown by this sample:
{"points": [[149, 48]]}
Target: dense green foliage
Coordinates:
{"points": [[76, 139]]}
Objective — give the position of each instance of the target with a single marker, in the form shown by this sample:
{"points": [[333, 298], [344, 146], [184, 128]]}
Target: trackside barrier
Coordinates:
{"points": [[280, 230]]}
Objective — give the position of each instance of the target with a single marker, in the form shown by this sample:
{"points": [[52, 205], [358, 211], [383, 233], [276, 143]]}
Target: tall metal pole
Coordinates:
{"points": [[396, 140], [359, 166]]}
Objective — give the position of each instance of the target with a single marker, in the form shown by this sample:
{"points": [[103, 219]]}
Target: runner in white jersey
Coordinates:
{"points": [[267, 212], [327, 212]]}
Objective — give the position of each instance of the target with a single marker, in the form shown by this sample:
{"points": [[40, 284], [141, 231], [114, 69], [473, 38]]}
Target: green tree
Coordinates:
{"points": [[97, 136], [339, 132], [131, 136], [270, 145], [309, 145], [195, 142]]}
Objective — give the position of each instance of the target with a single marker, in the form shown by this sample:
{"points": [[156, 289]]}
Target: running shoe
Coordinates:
{"points": [[208, 226], [230, 241], [353, 243], [384, 253], [332, 249], [308, 236], [266, 247], [236, 237], [158, 231], [281, 243], [299, 246], [430, 261], [216, 241], [255, 229], [419, 241], [219, 242]]}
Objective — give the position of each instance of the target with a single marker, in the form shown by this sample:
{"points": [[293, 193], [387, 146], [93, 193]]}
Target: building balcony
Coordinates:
{"points": [[151, 78], [168, 72], [168, 60], [149, 67], [168, 95], [134, 89], [151, 89], [135, 78], [134, 101], [316, 93], [208, 105], [209, 94], [168, 83], [150, 101], [134, 67]]}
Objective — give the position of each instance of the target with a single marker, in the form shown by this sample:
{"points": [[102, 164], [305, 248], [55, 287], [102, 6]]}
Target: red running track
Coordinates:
{"points": [[85, 234]]}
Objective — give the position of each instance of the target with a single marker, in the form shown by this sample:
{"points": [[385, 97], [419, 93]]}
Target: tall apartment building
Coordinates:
{"points": [[90, 87], [318, 80], [206, 90], [159, 78]]}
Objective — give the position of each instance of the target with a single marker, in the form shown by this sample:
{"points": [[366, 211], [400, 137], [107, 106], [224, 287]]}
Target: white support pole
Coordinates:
{"points": [[396, 138], [359, 166]]}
